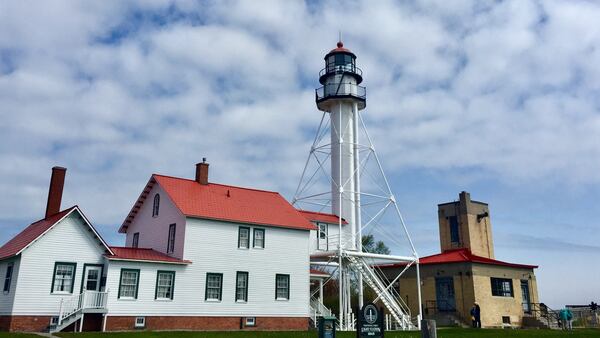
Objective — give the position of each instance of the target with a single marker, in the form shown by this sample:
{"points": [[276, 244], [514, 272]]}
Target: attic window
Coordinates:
{"points": [[156, 205]]}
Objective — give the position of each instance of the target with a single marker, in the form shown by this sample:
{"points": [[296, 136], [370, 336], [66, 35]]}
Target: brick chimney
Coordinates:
{"points": [[202, 172], [57, 182]]}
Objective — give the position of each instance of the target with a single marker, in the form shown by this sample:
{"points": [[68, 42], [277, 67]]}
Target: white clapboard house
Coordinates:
{"points": [[198, 255]]}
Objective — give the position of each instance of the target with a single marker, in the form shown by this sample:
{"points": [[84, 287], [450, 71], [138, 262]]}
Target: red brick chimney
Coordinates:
{"points": [[57, 182], [202, 172]]}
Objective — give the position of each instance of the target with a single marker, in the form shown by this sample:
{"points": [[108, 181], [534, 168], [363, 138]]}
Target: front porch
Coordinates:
{"points": [[73, 310]]}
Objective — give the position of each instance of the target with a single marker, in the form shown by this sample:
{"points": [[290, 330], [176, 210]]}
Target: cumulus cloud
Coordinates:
{"points": [[472, 91]]}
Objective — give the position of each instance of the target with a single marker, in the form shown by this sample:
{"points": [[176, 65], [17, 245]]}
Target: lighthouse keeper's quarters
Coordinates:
{"points": [[198, 255], [466, 272]]}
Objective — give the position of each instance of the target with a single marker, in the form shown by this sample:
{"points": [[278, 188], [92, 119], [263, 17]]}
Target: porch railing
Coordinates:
{"points": [[79, 303]]}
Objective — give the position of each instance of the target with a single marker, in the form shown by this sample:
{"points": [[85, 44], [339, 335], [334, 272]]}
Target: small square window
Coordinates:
{"points": [[53, 320], [140, 322], [506, 320], [250, 321]]}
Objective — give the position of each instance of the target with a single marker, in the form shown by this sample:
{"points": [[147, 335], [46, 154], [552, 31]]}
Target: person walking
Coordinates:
{"points": [[566, 319], [476, 315]]}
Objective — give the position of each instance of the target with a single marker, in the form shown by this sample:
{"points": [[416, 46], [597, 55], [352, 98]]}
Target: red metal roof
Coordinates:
{"points": [[318, 272], [36, 229], [230, 203], [321, 217], [30, 234], [462, 256], [142, 254], [340, 48]]}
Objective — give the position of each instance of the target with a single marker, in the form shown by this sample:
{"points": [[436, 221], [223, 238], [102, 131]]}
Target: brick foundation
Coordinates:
{"points": [[122, 323], [24, 323]]}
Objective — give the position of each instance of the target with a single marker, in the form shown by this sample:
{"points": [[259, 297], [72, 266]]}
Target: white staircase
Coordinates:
{"points": [[72, 309], [386, 294], [317, 309]]}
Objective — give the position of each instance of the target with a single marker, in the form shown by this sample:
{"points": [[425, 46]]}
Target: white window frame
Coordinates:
{"points": [[208, 287], [58, 281], [243, 288], [140, 322], [319, 239], [244, 243], [167, 289], [262, 243], [250, 321], [135, 285], [280, 287]]}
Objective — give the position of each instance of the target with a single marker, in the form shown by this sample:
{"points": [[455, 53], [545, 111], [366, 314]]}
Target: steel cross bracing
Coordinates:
{"points": [[367, 189]]}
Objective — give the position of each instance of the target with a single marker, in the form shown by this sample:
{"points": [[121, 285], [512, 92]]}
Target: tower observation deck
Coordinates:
{"points": [[340, 79]]}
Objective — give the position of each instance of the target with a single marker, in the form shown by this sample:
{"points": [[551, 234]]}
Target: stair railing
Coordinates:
{"points": [[391, 303]]}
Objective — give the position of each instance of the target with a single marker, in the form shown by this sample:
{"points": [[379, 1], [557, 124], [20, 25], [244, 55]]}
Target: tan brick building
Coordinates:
{"points": [[466, 271]]}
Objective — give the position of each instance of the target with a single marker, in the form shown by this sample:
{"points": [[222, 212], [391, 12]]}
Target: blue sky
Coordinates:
{"points": [[498, 98]]}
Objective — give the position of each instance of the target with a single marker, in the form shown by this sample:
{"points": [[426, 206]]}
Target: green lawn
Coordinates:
{"points": [[442, 333], [17, 335]]}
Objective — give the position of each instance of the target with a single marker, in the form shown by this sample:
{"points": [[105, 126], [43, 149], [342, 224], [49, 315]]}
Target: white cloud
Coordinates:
{"points": [[503, 91]]}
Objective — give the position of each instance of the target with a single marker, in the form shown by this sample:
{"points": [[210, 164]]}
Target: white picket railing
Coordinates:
{"points": [[320, 309], [79, 303]]}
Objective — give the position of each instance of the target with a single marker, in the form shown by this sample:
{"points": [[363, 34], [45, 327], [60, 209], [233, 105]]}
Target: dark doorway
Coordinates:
{"points": [[444, 293]]}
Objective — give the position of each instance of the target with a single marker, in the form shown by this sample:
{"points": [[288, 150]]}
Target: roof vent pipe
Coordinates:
{"points": [[202, 172], [57, 182]]}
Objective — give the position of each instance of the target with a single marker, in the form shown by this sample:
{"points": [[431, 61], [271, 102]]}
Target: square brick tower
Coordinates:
{"points": [[466, 224]]}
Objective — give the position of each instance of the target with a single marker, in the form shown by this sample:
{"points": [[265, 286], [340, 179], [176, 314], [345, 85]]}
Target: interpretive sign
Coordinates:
{"points": [[370, 322]]}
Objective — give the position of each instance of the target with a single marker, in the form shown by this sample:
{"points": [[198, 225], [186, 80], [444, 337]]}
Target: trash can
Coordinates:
{"points": [[326, 327]]}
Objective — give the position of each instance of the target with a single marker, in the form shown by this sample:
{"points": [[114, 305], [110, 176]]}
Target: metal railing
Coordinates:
{"points": [[340, 69], [545, 314], [341, 89]]}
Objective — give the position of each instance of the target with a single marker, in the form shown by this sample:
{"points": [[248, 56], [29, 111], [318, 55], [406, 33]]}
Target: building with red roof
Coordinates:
{"points": [[198, 255], [466, 272]]}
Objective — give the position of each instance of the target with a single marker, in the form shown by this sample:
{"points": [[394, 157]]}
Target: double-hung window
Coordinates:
{"points": [[259, 238], [322, 242], [244, 238], [8, 277], [135, 241], [282, 287], [171, 239], [129, 283], [502, 287], [64, 275], [241, 287], [214, 286], [165, 284]]}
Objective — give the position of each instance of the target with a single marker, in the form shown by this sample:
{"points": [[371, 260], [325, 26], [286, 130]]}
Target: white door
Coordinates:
{"points": [[91, 278]]}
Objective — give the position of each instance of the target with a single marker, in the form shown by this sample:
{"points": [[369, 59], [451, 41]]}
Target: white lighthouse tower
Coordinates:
{"points": [[342, 97], [342, 142]]}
